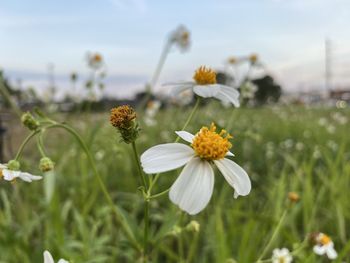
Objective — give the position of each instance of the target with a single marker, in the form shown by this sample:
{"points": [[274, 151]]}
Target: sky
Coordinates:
{"points": [[288, 35]]}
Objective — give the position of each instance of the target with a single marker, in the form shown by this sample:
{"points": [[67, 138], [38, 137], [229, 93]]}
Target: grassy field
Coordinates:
{"points": [[283, 149]]}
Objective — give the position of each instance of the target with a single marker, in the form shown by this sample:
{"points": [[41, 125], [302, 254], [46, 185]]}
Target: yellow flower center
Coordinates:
{"points": [[185, 36], [324, 239], [210, 145], [204, 76], [281, 260], [232, 60], [97, 58], [1, 175]]}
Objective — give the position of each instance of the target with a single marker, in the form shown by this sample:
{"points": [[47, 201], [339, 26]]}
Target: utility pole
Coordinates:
{"points": [[328, 65]]}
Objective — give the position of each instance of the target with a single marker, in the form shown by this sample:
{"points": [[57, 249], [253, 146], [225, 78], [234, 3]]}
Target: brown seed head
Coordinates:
{"points": [[122, 116]]}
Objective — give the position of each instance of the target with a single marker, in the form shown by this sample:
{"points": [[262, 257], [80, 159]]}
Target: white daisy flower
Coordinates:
{"points": [[193, 189], [10, 175], [281, 256], [181, 37], [48, 258], [205, 85], [95, 60], [325, 246]]}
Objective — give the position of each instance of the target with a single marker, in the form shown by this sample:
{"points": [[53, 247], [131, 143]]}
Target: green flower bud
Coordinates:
{"points": [[13, 165], [29, 121], [46, 164], [193, 226]]}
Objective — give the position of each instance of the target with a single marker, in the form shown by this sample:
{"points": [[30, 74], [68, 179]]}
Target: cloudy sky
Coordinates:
{"points": [[288, 35]]}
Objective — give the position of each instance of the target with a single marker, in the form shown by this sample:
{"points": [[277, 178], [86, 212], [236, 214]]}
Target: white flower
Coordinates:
{"points": [[204, 85], [281, 256], [48, 258], [181, 37], [324, 245], [10, 175], [193, 188], [248, 90], [95, 60]]}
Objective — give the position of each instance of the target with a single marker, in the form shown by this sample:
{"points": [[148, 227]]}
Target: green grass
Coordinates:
{"points": [[283, 149]]}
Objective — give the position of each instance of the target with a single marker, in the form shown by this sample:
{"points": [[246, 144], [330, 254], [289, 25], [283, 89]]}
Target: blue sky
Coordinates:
{"points": [[288, 35]]}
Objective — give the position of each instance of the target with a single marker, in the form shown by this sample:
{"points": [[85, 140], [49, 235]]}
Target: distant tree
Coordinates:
{"points": [[268, 90]]}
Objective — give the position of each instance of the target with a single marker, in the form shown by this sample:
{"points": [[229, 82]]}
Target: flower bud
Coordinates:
{"points": [[46, 164], [13, 165], [29, 121], [193, 226], [124, 119]]}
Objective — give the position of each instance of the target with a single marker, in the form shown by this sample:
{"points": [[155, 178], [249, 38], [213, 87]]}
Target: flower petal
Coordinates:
{"points": [[319, 250], [62, 261], [206, 91], [186, 136], [331, 253], [3, 166], [193, 188], [235, 176], [228, 94], [10, 175], [27, 177], [230, 154], [47, 257], [166, 157]]}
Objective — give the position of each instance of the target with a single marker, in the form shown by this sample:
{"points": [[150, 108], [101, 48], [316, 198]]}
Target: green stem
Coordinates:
{"points": [[118, 213], [146, 231], [274, 235], [24, 143], [159, 194], [40, 144], [139, 169]]}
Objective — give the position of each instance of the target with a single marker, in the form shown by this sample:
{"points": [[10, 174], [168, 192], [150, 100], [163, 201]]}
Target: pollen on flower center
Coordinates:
{"points": [[210, 145], [324, 239], [204, 76]]}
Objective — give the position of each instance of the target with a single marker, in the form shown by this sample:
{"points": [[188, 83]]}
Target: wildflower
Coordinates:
{"points": [[324, 245], [193, 226], [293, 197], [95, 60], [253, 58], [123, 118], [281, 256], [206, 86], [181, 37], [192, 190], [10, 172], [151, 110], [48, 258], [248, 89], [232, 60]]}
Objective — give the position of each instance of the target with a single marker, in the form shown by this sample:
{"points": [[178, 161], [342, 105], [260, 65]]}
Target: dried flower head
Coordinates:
{"points": [[123, 118]]}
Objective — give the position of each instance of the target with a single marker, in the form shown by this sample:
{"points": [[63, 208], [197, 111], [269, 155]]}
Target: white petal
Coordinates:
{"points": [[62, 261], [27, 177], [188, 137], [331, 253], [3, 166], [229, 94], [229, 154], [10, 175], [235, 176], [206, 91], [193, 188], [166, 157], [319, 250], [176, 90], [47, 257]]}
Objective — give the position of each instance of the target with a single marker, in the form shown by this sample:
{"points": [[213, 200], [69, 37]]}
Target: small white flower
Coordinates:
{"points": [[194, 187], [181, 37], [48, 258], [325, 246], [10, 175], [95, 60], [205, 85], [281, 256]]}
